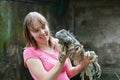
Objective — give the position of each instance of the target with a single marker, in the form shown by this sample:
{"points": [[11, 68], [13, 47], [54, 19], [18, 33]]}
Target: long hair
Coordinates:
{"points": [[29, 23]]}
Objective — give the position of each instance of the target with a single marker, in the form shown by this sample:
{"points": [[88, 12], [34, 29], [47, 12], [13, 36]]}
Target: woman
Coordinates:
{"points": [[42, 55]]}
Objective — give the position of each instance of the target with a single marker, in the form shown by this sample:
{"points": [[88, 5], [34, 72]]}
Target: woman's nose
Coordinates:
{"points": [[42, 31]]}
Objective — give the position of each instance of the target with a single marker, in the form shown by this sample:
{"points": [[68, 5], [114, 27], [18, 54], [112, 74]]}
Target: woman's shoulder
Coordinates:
{"points": [[27, 49], [30, 52]]}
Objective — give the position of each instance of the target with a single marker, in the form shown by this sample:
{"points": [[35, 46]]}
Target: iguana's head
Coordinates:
{"points": [[66, 38]]}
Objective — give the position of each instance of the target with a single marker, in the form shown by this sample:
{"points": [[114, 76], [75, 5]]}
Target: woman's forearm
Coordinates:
{"points": [[54, 72], [36, 67], [75, 70], [81, 66]]}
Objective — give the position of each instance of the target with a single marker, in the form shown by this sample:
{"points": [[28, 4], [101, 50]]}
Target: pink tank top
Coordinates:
{"points": [[48, 60]]}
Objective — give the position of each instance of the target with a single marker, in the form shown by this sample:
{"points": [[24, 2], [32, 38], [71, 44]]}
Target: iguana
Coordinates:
{"points": [[66, 39]]}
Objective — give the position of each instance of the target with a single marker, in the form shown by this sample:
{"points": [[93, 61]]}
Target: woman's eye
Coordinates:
{"points": [[36, 30], [43, 27]]}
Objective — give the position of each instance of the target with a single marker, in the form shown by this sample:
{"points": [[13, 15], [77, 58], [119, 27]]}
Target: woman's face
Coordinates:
{"points": [[40, 33]]}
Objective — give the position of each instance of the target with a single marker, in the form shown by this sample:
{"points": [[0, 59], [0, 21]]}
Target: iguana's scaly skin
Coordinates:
{"points": [[66, 39]]}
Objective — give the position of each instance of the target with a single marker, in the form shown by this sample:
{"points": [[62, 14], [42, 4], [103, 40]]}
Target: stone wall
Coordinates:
{"points": [[95, 23]]}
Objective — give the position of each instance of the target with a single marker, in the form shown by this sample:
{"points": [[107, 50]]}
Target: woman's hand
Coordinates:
{"points": [[85, 61], [86, 58], [75, 51], [81, 65], [63, 54], [78, 50]]}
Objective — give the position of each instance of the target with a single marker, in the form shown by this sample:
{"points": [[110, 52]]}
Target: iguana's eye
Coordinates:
{"points": [[62, 32]]}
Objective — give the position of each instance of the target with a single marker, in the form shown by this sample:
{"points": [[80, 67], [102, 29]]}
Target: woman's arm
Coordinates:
{"points": [[74, 70], [35, 66]]}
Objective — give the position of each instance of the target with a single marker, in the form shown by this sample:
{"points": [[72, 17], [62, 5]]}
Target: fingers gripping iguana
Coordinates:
{"points": [[66, 39]]}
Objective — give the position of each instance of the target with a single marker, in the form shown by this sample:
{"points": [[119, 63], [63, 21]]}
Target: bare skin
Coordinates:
{"points": [[41, 35]]}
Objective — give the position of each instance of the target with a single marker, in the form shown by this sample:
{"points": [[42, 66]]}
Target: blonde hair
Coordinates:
{"points": [[29, 23]]}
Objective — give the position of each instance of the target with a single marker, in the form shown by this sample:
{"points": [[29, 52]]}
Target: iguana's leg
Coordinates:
{"points": [[97, 66], [89, 73], [82, 75], [98, 69]]}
